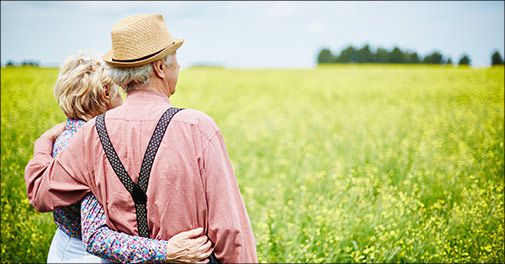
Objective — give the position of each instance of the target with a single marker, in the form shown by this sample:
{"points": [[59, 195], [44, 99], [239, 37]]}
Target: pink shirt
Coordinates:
{"points": [[192, 183]]}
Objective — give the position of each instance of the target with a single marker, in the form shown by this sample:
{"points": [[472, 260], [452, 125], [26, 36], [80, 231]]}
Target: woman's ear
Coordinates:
{"points": [[106, 92]]}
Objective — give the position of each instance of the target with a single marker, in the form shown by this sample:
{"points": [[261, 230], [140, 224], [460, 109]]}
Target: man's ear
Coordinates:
{"points": [[158, 67]]}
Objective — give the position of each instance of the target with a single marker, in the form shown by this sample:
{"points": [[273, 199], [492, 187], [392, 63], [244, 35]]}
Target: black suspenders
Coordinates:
{"points": [[137, 190]]}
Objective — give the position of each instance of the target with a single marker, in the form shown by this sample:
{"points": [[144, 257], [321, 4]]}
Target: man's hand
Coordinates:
{"points": [[54, 132], [190, 246]]}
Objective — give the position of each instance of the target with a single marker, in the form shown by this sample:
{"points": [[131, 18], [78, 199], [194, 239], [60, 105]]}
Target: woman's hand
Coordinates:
{"points": [[54, 132], [190, 246]]}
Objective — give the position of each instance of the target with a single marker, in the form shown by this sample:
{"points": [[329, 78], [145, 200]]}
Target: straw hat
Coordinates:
{"points": [[140, 39]]}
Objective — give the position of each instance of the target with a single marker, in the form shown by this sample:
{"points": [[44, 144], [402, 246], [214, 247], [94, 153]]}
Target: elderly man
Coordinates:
{"points": [[156, 170]]}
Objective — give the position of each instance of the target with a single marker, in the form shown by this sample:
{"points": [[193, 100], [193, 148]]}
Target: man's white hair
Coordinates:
{"points": [[130, 78]]}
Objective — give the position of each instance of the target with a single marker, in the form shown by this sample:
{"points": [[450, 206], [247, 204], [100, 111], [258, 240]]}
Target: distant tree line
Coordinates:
{"points": [[365, 54], [11, 63], [496, 59]]}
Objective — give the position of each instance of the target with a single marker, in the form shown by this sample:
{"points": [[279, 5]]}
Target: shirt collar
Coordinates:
{"points": [[74, 124], [146, 96]]}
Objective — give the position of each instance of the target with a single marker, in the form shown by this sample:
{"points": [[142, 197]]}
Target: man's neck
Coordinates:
{"points": [[157, 85], [151, 88], [147, 89]]}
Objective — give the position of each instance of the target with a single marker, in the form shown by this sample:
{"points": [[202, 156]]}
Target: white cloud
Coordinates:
{"points": [[282, 9], [316, 27]]}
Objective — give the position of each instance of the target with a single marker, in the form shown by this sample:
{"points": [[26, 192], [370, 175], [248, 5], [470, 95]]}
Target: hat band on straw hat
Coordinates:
{"points": [[142, 58]]}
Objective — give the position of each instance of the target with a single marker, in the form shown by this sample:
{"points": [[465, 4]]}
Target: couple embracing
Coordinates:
{"points": [[139, 180]]}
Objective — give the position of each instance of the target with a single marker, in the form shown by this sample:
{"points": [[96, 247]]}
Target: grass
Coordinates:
{"points": [[369, 163]]}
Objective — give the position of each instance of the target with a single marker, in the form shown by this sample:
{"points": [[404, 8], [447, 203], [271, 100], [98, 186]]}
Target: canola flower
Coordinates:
{"points": [[348, 163]]}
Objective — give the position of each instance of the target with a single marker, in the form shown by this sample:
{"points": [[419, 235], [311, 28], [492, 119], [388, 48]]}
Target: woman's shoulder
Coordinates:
{"points": [[72, 126], [61, 141]]}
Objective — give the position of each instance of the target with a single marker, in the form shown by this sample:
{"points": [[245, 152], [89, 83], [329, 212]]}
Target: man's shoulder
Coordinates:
{"points": [[202, 121]]}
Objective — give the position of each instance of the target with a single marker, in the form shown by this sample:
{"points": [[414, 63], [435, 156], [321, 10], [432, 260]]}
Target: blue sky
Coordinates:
{"points": [[258, 34]]}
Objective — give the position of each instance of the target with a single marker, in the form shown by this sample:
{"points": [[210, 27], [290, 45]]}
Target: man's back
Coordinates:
{"points": [[191, 184], [176, 197]]}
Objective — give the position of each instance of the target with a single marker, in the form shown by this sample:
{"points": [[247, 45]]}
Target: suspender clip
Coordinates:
{"points": [[138, 195]]}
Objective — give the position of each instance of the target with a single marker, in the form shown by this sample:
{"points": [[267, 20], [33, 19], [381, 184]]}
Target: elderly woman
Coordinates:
{"points": [[84, 90]]}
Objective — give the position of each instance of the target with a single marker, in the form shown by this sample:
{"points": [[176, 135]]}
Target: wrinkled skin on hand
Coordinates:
{"points": [[189, 247]]}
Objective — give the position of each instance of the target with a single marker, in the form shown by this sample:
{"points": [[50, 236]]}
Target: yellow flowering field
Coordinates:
{"points": [[346, 163]]}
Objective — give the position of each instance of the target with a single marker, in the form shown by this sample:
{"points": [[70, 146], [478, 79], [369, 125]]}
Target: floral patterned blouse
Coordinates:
{"points": [[99, 239]]}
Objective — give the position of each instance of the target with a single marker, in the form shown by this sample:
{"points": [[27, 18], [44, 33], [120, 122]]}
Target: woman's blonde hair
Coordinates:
{"points": [[79, 89]]}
